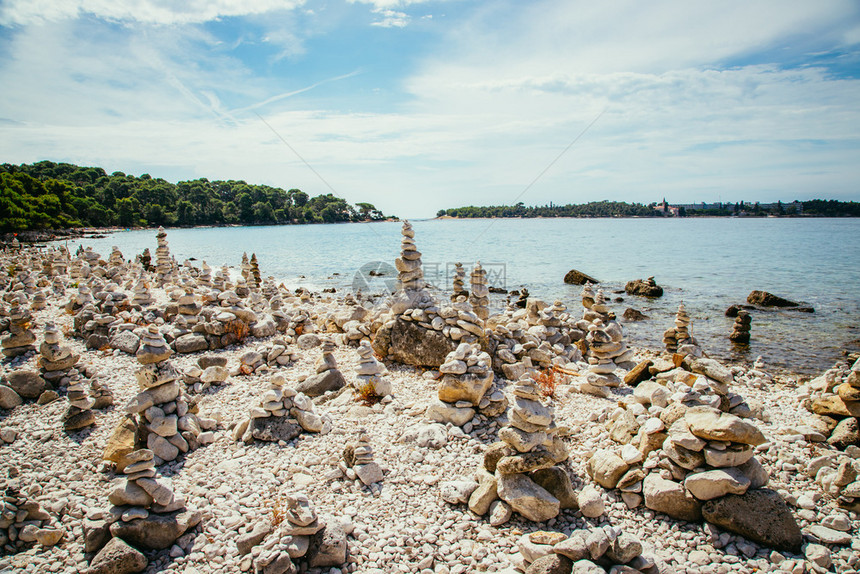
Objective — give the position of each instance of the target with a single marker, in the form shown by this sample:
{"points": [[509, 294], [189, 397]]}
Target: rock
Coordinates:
{"points": [[575, 547], [713, 369], [766, 299], [818, 555], [125, 341], [246, 542], [606, 468], [433, 436], [441, 412], [525, 462], [121, 442], [760, 515], [214, 374], [586, 567], [9, 399], [828, 535], [156, 531], [49, 536], [632, 315], [321, 383], [129, 493], [273, 429], [527, 498], [670, 498], [28, 384], [467, 387], [308, 341], [574, 277], [117, 557], [457, 491], [500, 512], [639, 373], [846, 433], [415, 345], [644, 287], [191, 343], [624, 548], [591, 503], [483, 496], [834, 405], [328, 547], [557, 482], [368, 473], [715, 483], [550, 564], [711, 424], [207, 361]]}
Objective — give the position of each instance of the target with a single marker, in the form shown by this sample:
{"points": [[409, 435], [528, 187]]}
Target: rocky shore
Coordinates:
{"points": [[158, 416]]}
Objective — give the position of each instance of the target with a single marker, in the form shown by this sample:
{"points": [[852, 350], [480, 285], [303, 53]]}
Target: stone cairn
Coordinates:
{"points": [[480, 295], [268, 548], [410, 272], [520, 472], [587, 295], [370, 372], [142, 297], [210, 370], [467, 375], [255, 278], [55, 358], [838, 397], [245, 267], [83, 297], [605, 346], [144, 514], [741, 328], [679, 335], [328, 377], [162, 408], [21, 338], [23, 522], [204, 279], [459, 281], [281, 416], [39, 301], [78, 415], [586, 551], [163, 265], [358, 461]]}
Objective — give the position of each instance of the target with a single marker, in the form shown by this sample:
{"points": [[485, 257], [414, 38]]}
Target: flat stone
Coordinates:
{"points": [[527, 498], [273, 429], [321, 383], [9, 399], [670, 498], [828, 535], [525, 462], [760, 515], [711, 424], [28, 384], [246, 542], [715, 483], [125, 341]]}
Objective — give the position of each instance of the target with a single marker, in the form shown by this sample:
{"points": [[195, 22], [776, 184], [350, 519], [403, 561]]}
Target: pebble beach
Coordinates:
{"points": [[381, 464]]}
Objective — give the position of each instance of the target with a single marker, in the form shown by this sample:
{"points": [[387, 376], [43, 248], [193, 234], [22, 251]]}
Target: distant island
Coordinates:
{"points": [[811, 208], [48, 196]]}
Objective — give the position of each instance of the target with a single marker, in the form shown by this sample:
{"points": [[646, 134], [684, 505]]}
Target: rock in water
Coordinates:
{"points": [[644, 287], [760, 515], [574, 277], [766, 299]]}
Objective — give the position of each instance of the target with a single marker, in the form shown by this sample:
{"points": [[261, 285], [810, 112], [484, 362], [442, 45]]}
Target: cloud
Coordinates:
{"points": [[391, 19], [160, 12]]}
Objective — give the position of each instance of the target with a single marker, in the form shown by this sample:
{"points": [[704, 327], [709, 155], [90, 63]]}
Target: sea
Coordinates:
{"points": [[706, 263]]}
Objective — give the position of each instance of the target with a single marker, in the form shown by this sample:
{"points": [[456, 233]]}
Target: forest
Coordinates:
{"points": [[48, 195]]}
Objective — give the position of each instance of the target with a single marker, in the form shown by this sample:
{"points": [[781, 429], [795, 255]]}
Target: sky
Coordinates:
{"points": [[417, 106]]}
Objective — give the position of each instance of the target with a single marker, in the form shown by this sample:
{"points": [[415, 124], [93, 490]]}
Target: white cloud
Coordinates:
{"points": [[161, 12], [391, 19]]}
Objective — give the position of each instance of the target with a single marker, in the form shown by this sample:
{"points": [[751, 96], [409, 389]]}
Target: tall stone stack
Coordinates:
{"points": [[370, 372], [410, 272], [188, 306], [459, 281], [163, 264], [162, 409], [39, 301], [255, 278], [142, 296], [79, 414], [522, 469], [741, 328], [467, 375], [480, 295], [21, 338], [204, 279], [281, 415], [245, 267], [59, 262], [58, 286], [55, 358]]}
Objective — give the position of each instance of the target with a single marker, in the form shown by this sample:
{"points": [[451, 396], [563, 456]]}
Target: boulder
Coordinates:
{"points": [[639, 373], [670, 498], [632, 315], [833, 405], [574, 277], [273, 429], [413, 344], [117, 557], [526, 497], [9, 399], [28, 384], [156, 531], [644, 288], [442, 412], [550, 564], [846, 433], [191, 343], [328, 547], [557, 482], [606, 468], [321, 383], [125, 341], [765, 299], [710, 424], [468, 387], [760, 515]]}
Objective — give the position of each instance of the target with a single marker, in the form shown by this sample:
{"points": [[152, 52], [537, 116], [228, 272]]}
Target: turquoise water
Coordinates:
{"points": [[708, 264]]}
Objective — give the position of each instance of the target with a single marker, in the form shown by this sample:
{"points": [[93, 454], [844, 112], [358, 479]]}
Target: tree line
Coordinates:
{"points": [[48, 195], [592, 209]]}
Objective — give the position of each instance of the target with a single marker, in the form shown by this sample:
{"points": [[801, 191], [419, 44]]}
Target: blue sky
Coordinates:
{"points": [[420, 105]]}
